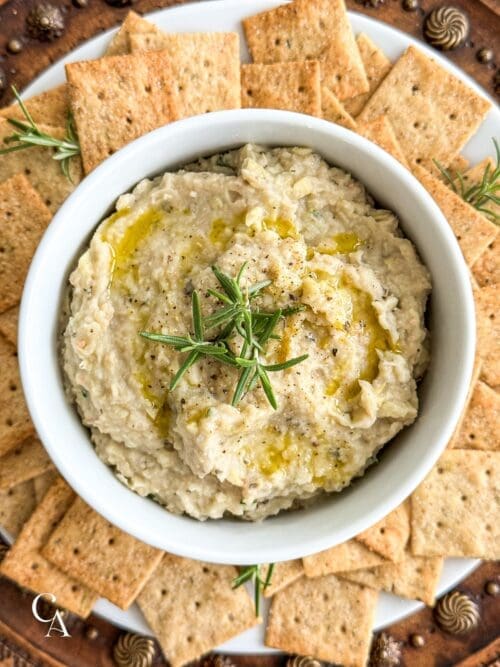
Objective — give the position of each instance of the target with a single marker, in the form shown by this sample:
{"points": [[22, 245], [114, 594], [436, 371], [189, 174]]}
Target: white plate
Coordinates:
{"points": [[225, 15]]}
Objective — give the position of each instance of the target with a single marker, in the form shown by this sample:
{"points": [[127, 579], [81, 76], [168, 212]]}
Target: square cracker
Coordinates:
{"points": [[192, 607], [205, 66], [284, 574], [15, 422], [24, 564], [23, 217], [49, 108], [8, 324], [24, 462], [133, 23], [433, 113], [380, 131], [100, 555], [332, 110], [310, 30], [350, 555], [328, 618], [456, 509], [16, 506], [41, 170], [486, 269], [473, 231], [42, 483], [114, 100], [488, 333], [413, 577], [389, 536], [376, 65], [480, 428], [290, 86]]}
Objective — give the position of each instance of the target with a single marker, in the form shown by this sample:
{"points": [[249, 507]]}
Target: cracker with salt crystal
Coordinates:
{"points": [[432, 111], [289, 86], [380, 131], [40, 169], [389, 536], [456, 509], [350, 555], [310, 30], [16, 506], [488, 334], [48, 108], [42, 483], [8, 324], [27, 567], [117, 99], [205, 66], [376, 65], [333, 110], [25, 461], [413, 577], [24, 217], [15, 422], [284, 574], [328, 618], [192, 607], [133, 24], [100, 555], [480, 428], [486, 269], [473, 231]]}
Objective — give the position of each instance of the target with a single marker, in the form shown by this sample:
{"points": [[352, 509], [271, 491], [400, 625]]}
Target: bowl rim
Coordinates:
{"points": [[93, 184]]}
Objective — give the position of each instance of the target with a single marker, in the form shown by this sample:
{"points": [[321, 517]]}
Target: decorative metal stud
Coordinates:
{"points": [[45, 22], [14, 45], [134, 651], [410, 5], [446, 28], [217, 661], [81, 3], [417, 641], [492, 588], [303, 661], [386, 651], [457, 613], [485, 56], [91, 632]]}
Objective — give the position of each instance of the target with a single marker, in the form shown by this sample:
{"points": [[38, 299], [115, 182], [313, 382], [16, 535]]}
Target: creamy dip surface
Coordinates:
{"points": [[314, 232]]}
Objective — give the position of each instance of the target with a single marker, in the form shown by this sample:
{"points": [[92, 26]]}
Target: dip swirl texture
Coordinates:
{"points": [[313, 231]]}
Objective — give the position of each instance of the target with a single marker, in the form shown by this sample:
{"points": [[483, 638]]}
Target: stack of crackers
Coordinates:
{"points": [[306, 59]]}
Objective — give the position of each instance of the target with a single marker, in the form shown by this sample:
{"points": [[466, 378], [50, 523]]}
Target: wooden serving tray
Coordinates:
{"points": [[418, 641]]}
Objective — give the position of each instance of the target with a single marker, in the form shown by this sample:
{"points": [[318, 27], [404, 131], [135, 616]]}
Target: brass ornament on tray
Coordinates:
{"points": [[485, 56], [303, 661], [133, 650], [410, 5], [446, 28], [217, 661], [386, 651], [14, 45], [457, 614], [45, 22]]}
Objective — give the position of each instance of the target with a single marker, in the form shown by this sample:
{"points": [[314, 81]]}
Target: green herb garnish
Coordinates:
{"points": [[252, 573], [480, 194], [237, 316], [28, 134]]}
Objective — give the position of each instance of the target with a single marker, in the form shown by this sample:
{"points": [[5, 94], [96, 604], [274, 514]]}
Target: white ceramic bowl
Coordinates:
{"points": [[403, 463]]}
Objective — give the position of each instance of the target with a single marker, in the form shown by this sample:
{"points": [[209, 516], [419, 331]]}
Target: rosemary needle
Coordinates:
{"points": [[237, 315], [253, 573], [480, 194], [28, 134]]}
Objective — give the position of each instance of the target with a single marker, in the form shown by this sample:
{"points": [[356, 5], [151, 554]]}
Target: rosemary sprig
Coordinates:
{"points": [[253, 573], [237, 316], [478, 195], [28, 134]]}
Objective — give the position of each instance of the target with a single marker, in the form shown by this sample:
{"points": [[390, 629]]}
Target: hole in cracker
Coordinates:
{"points": [[9, 422], [111, 541], [76, 551], [439, 524], [129, 120], [74, 588], [206, 63], [27, 171], [382, 531], [488, 527], [189, 639], [249, 92], [48, 202], [116, 577], [2, 249], [34, 566], [10, 492], [440, 470], [296, 619], [492, 316], [164, 591], [301, 89], [230, 617], [487, 472], [12, 386], [414, 88], [100, 95], [147, 89], [463, 498], [277, 41], [472, 436], [325, 597], [418, 160], [197, 604], [452, 116], [343, 629], [416, 124], [206, 570]]}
